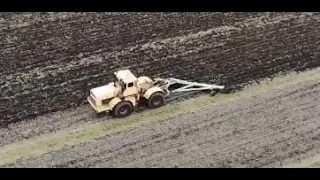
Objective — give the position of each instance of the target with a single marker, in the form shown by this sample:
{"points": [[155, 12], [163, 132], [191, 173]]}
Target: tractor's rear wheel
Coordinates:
{"points": [[213, 93], [122, 109], [156, 100]]}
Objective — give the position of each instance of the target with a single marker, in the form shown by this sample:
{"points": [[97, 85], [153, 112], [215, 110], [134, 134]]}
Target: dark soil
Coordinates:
{"points": [[49, 61]]}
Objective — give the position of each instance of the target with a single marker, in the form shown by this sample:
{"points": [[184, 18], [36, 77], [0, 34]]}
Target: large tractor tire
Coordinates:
{"points": [[122, 109], [156, 100]]}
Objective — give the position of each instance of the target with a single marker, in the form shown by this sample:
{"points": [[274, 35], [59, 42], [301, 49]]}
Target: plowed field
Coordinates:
{"points": [[49, 62], [269, 125]]}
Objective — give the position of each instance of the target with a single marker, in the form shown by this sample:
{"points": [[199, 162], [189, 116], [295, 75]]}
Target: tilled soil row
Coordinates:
{"points": [[261, 131], [55, 64]]}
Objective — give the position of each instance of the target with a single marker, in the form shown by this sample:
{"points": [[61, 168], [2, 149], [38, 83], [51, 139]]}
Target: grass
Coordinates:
{"points": [[90, 131], [309, 163]]}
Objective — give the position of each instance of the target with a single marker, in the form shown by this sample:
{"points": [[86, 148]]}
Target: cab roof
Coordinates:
{"points": [[126, 76]]}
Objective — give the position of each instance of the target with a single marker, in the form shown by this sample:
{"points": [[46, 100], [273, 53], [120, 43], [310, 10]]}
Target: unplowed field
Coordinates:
{"points": [[49, 61]]}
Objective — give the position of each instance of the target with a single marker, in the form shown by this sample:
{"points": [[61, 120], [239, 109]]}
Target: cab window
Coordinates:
{"points": [[130, 84]]}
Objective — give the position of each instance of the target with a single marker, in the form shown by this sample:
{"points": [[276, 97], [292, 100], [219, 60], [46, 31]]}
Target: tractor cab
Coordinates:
{"points": [[127, 81]]}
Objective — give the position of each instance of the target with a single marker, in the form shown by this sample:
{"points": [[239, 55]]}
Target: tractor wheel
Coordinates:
{"points": [[156, 100], [213, 93], [122, 109]]}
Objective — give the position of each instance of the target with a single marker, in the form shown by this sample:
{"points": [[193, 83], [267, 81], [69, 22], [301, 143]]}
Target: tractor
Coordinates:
{"points": [[127, 91]]}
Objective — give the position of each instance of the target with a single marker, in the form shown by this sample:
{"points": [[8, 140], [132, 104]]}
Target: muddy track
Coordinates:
{"points": [[262, 131], [50, 61]]}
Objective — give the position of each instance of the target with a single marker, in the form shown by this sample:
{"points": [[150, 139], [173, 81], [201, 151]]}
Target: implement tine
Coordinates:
{"points": [[187, 85]]}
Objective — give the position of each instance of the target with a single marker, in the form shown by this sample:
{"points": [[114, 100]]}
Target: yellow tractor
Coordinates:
{"points": [[127, 91]]}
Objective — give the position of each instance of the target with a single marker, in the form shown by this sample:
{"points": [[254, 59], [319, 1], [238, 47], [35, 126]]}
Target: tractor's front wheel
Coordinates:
{"points": [[122, 109], [156, 100]]}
